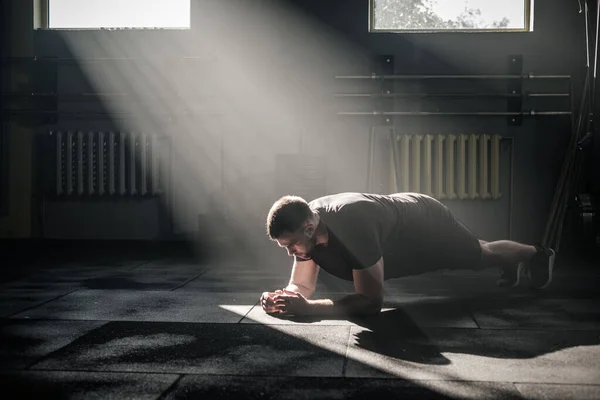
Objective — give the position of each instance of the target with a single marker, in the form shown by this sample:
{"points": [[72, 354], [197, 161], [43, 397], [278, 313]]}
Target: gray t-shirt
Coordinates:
{"points": [[403, 228]]}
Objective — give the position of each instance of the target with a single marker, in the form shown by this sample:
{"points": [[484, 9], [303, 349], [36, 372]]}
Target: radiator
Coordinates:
{"points": [[465, 167], [107, 164]]}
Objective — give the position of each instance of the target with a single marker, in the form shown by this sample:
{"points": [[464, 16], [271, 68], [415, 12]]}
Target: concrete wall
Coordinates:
{"points": [[237, 174], [539, 142], [17, 133]]}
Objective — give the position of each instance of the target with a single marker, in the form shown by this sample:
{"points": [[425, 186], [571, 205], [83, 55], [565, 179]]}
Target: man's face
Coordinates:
{"points": [[300, 244]]}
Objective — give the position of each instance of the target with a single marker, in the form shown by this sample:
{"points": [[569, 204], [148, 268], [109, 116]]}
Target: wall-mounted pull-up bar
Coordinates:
{"points": [[419, 77], [429, 113], [450, 95]]}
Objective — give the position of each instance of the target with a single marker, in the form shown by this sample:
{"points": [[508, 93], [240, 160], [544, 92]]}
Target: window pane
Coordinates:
{"points": [[449, 14], [95, 14]]}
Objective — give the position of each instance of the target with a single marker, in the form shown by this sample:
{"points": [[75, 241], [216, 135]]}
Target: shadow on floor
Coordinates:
{"points": [[394, 334]]}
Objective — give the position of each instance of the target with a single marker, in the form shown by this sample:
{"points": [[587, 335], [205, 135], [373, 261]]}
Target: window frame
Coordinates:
{"points": [[41, 20], [529, 11]]}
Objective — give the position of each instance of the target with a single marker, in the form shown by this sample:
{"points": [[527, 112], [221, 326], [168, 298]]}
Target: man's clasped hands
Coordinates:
{"points": [[285, 302]]}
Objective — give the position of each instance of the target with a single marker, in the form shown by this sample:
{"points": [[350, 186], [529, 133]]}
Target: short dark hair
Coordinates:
{"points": [[288, 214]]}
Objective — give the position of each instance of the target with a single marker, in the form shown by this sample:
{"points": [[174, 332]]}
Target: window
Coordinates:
{"points": [[108, 14], [450, 15]]}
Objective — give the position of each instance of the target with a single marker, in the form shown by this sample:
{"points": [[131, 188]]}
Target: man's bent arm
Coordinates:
{"points": [[304, 278], [306, 292], [367, 301], [352, 305]]}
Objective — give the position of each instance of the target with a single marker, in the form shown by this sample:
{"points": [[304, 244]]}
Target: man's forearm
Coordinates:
{"points": [[352, 305], [306, 292]]}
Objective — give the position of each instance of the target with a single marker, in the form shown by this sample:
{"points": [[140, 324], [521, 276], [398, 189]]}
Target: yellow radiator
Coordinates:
{"points": [[447, 166]]}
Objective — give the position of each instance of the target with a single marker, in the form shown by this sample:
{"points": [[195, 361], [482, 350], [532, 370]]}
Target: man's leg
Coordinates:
{"points": [[451, 239], [513, 257], [505, 251]]}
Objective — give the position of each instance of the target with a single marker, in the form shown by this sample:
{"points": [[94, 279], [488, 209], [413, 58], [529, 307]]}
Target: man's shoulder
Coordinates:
{"points": [[344, 209], [338, 201]]}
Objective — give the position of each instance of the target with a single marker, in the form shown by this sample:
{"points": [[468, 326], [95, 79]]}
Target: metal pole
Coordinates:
{"points": [[421, 95], [548, 94], [66, 95], [115, 114], [428, 113], [597, 37], [512, 186], [409, 77], [14, 60], [370, 95]]}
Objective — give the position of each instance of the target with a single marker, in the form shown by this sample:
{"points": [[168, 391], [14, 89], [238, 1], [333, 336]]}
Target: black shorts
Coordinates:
{"points": [[431, 241]]}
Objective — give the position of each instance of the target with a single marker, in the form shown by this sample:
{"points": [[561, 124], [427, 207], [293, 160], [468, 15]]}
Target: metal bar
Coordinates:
{"points": [[72, 114], [548, 94], [77, 60], [421, 95], [377, 113], [376, 95], [53, 94], [425, 113], [593, 98], [578, 121], [94, 95], [408, 77]]}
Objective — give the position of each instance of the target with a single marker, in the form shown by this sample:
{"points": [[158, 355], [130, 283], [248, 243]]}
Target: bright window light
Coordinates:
{"points": [[127, 14], [450, 15]]}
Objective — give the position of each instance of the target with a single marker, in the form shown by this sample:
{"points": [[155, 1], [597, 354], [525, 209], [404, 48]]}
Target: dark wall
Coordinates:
{"points": [[555, 47], [4, 84]]}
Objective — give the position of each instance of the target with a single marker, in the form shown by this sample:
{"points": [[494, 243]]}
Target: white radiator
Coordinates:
{"points": [[107, 164], [447, 166]]}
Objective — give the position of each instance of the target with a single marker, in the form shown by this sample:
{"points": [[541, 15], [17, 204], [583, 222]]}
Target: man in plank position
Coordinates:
{"points": [[369, 238]]}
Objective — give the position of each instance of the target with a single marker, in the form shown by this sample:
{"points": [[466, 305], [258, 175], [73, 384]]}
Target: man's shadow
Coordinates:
{"points": [[394, 334]]}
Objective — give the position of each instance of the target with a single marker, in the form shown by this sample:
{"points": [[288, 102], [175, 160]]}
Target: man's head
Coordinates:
{"points": [[292, 224]]}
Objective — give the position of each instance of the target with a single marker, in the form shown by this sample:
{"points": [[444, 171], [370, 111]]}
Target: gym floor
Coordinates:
{"points": [[112, 326]]}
